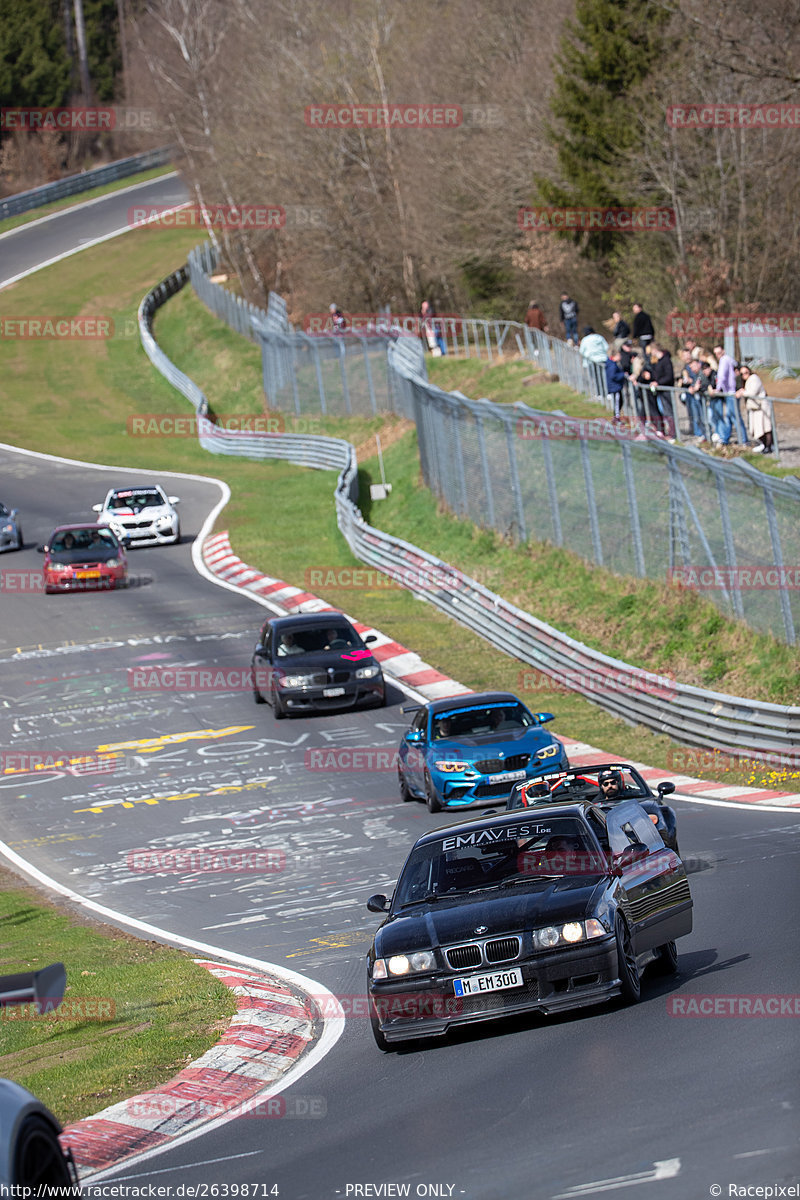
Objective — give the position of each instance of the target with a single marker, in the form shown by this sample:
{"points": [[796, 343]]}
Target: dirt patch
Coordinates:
{"points": [[391, 431]]}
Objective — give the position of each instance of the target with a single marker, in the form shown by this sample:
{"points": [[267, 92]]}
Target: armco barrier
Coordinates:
{"points": [[73, 185], [690, 715]]}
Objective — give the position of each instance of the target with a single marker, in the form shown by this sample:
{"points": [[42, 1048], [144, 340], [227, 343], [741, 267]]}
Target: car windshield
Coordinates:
{"points": [[80, 540], [316, 639], [499, 858], [486, 719], [4, 511], [137, 500], [621, 783]]}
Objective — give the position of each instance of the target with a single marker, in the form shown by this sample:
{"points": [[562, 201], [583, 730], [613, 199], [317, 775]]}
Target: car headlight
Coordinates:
{"points": [[367, 672], [549, 751], [59, 566], [295, 681], [409, 964], [114, 562], [448, 765], [8, 528], [568, 934]]}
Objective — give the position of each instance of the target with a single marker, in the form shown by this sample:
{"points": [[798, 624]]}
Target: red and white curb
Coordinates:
{"points": [[274, 1026], [408, 668]]}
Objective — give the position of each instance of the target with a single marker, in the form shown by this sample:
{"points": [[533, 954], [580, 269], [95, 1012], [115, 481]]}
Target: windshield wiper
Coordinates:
{"points": [[420, 900]]}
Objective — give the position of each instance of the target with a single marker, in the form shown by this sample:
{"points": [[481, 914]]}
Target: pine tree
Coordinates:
{"points": [[606, 54]]}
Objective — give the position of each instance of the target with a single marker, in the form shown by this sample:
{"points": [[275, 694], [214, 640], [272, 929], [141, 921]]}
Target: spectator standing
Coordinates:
{"points": [[758, 414], [431, 330], [568, 311], [535, 318], [622, 329], [664, 378], [338, 319], [728, 414], [643, 330], [615, 382], [695, 396], [594, 352]]}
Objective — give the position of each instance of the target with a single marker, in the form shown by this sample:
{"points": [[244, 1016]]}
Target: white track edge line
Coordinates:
{"points": [[71, 208]]}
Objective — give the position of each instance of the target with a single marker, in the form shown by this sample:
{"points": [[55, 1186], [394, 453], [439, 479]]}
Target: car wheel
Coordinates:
{"points": [[20, 539], [405, 794], [380, 1040], [258, 698], [38, 1158], [630, 985], [278, 712], [667, 961], [431, 799], [177, 538]]}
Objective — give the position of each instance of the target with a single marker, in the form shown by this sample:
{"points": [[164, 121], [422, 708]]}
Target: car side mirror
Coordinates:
{"points": [[174, 499], [666, 788], [415, 735], [42, 549], [543, 718], [377, 903], [629, 857], [371, 637], [97, 508]]}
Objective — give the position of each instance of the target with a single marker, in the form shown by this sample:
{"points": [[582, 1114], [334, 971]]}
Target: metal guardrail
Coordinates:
{"points": [[691, 715], [73, 185]]}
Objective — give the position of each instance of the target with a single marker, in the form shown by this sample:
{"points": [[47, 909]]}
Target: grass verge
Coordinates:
{"points": [[147, 1010], [72, 201]]}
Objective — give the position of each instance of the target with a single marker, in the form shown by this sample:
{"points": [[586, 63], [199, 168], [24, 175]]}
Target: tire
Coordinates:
{"points": [[257, 697], [405, 794], [667, 961], [431, 799], [380, 1040], [277, 711], [38, 1158], [630, 984], [20, 539]]}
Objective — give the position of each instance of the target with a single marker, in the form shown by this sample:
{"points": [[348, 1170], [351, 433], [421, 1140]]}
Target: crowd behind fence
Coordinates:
{"points": [[633, 504], [726, 724]]}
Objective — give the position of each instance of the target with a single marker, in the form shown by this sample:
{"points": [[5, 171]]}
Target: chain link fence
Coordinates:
{"points": [[697, 717], [632, 503]]}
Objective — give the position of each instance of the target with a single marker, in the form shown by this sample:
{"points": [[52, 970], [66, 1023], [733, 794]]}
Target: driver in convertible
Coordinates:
{"points": [[610, 785]]}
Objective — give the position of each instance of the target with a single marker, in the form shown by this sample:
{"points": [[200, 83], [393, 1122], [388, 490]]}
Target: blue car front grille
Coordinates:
{"points": [[514, 762]]}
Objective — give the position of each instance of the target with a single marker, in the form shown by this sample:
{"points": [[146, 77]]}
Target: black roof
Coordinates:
{"points": [[575, 808], [308, 620]]}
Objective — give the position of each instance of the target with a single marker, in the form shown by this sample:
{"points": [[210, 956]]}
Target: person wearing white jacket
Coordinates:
{"points": [[759, 422], [593, 350]]}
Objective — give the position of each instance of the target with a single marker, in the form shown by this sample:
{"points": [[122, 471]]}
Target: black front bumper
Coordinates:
{"points": [[552, 982], [370, 691]]}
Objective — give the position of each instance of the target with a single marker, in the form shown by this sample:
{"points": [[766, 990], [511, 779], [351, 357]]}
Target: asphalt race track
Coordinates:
{"points": [[606, 1100]]}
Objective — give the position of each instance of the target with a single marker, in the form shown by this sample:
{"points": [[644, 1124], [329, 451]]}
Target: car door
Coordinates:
{"points": [[416, 751], [262, 661], [656, 899]]}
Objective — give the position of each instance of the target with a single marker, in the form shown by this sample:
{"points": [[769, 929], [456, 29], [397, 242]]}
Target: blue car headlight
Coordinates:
{"points": [[550, 751]]}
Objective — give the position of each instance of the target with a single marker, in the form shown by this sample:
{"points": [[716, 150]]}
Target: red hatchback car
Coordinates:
{"points": [[78, 558]]}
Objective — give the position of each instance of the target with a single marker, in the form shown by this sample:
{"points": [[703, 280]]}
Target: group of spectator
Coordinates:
{"points": [[711, 384]]}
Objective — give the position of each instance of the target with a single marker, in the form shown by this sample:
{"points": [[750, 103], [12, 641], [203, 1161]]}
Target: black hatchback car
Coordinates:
{"points": [[539, 910], [314, 661]]}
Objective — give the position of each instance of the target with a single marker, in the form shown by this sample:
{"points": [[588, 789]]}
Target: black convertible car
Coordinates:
{"points": [[547, 910], [314, 661], [605, 784]]}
